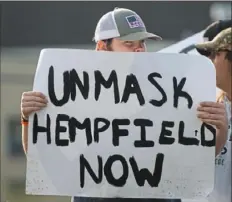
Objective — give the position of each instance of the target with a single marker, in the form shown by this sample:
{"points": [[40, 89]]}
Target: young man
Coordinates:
{"points": [[121, 30], [210, 33], [220, 52]]}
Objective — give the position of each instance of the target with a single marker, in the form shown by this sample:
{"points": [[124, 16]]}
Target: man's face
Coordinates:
{"points": [[118, 45], [127, 46], [222, 66]]}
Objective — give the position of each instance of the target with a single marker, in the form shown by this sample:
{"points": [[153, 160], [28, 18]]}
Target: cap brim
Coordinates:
{"points": [[203, 52], [206, 46], [140, 36]]}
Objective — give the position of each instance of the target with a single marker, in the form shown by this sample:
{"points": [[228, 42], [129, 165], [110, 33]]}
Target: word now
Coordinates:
{"points": [[140, 174]]}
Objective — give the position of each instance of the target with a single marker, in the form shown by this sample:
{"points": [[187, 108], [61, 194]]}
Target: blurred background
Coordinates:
{"points": [[28, 27]]}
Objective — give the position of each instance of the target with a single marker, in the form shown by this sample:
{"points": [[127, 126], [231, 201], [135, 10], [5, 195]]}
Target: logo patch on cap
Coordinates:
{"points": [[134, 21]]}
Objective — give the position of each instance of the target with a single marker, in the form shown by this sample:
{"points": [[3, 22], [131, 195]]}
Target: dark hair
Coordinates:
{"points": [[229, 56], [108, 42]]}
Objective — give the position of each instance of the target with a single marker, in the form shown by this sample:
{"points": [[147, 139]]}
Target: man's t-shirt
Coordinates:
{"points": [[84, 199], [222, 187]]}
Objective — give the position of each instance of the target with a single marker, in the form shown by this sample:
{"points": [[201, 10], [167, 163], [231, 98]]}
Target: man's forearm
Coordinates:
{"points": [[25, 138], [221, 137]]}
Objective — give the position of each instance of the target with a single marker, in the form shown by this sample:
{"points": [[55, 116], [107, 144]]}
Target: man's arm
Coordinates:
{"points": [[30, 102], [25, 137]]}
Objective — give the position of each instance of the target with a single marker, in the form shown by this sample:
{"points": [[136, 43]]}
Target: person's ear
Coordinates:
{"points": [[101, 46]]}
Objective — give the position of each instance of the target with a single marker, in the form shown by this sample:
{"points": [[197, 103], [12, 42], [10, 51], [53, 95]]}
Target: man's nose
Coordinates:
{"points": [[140, 50]]}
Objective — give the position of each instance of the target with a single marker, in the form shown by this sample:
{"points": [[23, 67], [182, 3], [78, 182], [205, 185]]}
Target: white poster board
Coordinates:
{"points": [[145, 120]]}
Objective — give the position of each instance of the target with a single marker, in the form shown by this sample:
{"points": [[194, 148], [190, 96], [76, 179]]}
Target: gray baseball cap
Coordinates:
{"points": [[124, 24]]}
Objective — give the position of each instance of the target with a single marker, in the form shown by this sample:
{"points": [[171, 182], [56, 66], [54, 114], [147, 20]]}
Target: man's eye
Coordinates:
{"points": [[128, 43]]}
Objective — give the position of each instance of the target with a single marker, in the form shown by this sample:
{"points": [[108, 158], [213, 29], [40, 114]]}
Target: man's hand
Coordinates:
{"points": [[214, 113], [31, 102]]}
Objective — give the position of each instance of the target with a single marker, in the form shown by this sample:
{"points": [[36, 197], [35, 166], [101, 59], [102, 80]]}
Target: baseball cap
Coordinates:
{"points": [[124, 24], [212, 31], [223, 41]]}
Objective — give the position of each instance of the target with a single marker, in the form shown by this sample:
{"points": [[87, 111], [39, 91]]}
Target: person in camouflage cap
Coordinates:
{"points": [[222, 42], [219, 50]]}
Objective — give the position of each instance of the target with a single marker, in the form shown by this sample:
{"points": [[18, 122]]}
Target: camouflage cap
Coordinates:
{"points": [[223, 41]]}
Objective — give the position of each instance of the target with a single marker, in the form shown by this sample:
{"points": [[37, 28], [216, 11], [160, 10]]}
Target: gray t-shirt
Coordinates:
{"points": [[84, 199]]}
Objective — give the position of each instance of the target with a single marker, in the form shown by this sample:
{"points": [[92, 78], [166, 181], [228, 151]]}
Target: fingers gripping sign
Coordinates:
{"points": [[32, 102], [214, 114]]}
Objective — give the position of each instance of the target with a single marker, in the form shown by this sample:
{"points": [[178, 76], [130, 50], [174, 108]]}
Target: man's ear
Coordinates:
{"points": [[101, 46]]}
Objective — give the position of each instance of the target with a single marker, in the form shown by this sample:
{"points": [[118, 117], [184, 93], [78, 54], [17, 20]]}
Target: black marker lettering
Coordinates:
{"points": [[120, 182], [132, 87], [75, 81], [61, 129], [86, 125], [84, 164], [112, 80], [161, 90], [51, 88], [98, 129], [165, 135], [179, 93], [40, 129], [186, 140], [143, 142], [204, 142], [144, 174], [117, 132]]}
